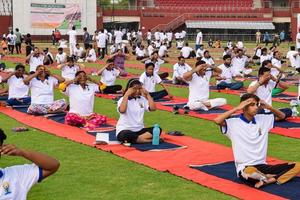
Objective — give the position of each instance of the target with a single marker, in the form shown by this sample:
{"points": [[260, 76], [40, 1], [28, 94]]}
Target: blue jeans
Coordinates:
{"points": [[232, 86], [17, 102]]}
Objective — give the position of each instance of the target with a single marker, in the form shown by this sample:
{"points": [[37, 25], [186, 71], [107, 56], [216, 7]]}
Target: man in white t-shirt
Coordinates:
{"points": [[276, 64], [298, 40], [17, 180], [101, 43], [149, 37], [163, 51], [157, 35], [91, 55], [140, 52], [118, 39], [297, 60], [177, 36], [169, 35], [291, 56], [61, 56], [240, 64], [264, 55], [179, 69], [69, 69], [199, 39], [78, 52], [249, 137], [35, 59], [187, 52], [198, 79], [72, 39], [200, 51]]}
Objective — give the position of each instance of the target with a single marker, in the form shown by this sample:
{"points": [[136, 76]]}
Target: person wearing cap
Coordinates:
{"points": [[198, 79], [135, 102], [81, 92], [17, 180], [18, 92]]}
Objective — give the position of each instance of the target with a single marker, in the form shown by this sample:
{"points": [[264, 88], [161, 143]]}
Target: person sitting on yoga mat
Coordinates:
{"points": [[149, 79], [109, 74], [41, 85], [249, 137], [276, 65], [132, 106], [179, 69], [17, 180], [240, 64], [119, 60], [268, 85], [226, 77], [157, 62], [81, 96], [198, 80], [69, 69], [17, 90]]}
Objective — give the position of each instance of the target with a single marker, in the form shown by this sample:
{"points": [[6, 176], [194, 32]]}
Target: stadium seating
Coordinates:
{"points": [[5, 7]]}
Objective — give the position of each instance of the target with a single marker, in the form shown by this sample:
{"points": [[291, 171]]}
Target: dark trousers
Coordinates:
{"points": [[28, 49], [18, 48], [233, 86], [113, 89], [132, 136], [11, 48], [21, 101], [101, 52], [287, 111], [163, 75], [158, 95]]}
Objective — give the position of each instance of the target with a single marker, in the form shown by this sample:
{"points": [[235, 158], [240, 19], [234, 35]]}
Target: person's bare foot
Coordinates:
{"points": [[269, 180]]}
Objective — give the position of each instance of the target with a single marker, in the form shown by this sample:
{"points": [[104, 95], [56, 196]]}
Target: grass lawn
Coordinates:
{"points": [[87, 173]]}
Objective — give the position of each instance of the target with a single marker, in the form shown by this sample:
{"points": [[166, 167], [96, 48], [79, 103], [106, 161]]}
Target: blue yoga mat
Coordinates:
{"points": [[161, 147], [289, 190], [211, 111], [284, 96], [22, 109], [287, 124], [3, 98], [59, 117]]}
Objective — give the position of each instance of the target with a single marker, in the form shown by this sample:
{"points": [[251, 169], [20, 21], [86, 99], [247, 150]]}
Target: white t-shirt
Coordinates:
{"points": [[183, 33], [92, 55], [82, 100], [156, 64], [78, 52], [157, 44], [42, 92], [108, 77], [118, 37], [101, 40], [162, 50], [149, 82], [157, 36], [238, 65], [297, 61], [149, 35], [209, 61], [18, 180], [72, 36], [264, 92], [68, 72], [200, 53], [133, 118], [150, 50], [186, 51], [17, 88], [276, 63], [199, 38], [140, 52], [297, 42], [61, 58], [265, 57], [177, 35], [179, 70], [12, 38], [35, 61], [291, 56], [199, 88], [249, 139], [226, 73], [169, 36]]}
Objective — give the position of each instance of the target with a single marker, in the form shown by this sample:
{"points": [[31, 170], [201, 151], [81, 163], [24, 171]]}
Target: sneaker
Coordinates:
{"points": [[175, 109]]}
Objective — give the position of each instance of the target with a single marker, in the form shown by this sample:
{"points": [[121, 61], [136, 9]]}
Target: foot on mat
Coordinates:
{"points": [[175, 109]]}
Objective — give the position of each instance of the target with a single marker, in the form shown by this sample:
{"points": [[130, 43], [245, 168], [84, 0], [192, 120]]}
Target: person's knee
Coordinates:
{"points": [[218, 102]]}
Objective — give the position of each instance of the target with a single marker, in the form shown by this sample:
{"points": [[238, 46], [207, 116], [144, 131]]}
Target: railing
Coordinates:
{"points": [[175, 22]]}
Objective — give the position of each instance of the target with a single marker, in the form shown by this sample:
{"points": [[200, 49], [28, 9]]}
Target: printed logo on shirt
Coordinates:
{"points": [[5, 187]]}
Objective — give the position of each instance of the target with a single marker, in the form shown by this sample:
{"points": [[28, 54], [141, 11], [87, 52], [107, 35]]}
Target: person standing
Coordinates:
{"points": [[18, 41], [57, 35], [199, 39], [72, 39], [282, 36], [101, 43], [53, 38], [11, 38], [298, 39], [258, 36], [86, 38], [118, 39], [266, 38]]}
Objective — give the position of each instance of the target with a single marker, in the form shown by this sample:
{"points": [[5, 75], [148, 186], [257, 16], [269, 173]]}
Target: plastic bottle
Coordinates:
{"points": [[155, 135]]}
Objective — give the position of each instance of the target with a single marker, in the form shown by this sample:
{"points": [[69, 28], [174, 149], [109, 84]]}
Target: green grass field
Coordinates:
{"points": [[87, 173]]}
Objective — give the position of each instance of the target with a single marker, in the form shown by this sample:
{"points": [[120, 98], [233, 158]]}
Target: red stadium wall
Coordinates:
{"points": [[5, 23]]}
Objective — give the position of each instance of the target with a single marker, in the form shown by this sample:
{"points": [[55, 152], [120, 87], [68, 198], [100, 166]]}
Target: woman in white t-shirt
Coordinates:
{"points": [[149, 79], [42, 84], [81, 96], [132, 106], [17, 90], [109, 73], [69, 69]]}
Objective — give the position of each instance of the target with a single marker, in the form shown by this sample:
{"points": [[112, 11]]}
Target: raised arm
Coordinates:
{"points": [[278, 114], [145, 93], [30, 77], [9, 75], [188, 75], [58, 77], [48, 164], [102, 69]]}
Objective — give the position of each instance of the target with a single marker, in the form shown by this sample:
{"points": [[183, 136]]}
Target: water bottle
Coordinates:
{"points": [[155, 135]]}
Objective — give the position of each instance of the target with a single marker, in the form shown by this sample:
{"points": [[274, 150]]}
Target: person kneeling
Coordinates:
{"points": [[249, 137], [198, 80], [132, 106], [81, 96], [42, 84], [149, 79]]}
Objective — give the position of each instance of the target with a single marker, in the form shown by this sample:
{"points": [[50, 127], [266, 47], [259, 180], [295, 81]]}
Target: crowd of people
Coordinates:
{"points": [[36, 87]]}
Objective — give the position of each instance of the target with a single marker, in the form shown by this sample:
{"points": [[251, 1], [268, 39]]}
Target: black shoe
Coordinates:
{"points": [[186, 110], [175, 109]]}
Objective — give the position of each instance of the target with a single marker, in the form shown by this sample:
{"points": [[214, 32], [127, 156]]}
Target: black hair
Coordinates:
{"points": [[265, 63], [292, 48], [17, 29], [154, 52], [131, 83], [240, 50], [275, 52], [19, 66], [79, 72], [60, 49], [2, 136], [110, 60], [147, 65], [85, 28], [70, 59], [264, 50], [262, 70], [226, 57], [73, 27], [200, 62], [249, 96], [180, 57], [206, 51]]}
